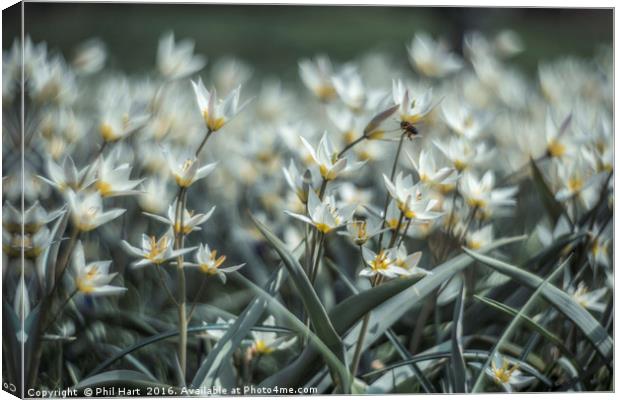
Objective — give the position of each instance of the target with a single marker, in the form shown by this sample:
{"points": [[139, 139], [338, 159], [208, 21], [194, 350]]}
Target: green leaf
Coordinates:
{"points": [[131, 359], [402, 351], [50, 254], [321, 322], [331, 358], [173, 333], [467, 355], [595, 333], [553, 207], [208, 371], [387, 313], [388, 302], [457, 360], [531, 324], [126, 378], [515, 323]]}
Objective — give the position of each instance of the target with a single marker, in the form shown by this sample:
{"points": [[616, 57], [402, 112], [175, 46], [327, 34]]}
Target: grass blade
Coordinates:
{"points": [[321, 322], [457, 360], [331, 358], [595, 333], [553, 207]]}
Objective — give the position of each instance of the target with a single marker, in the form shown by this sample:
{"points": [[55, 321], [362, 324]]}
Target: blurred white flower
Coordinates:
{"points": [[324, 215], [599, 247], [508, 377], [215, 111], [52, 81], [299, 184], [209, 263], [477, 239], [481, 194], [154, 195], [462, 153], [155, 251], [589, 299], [508, 43], [229, 73], [268, 342], [429, 173], [273, 102], [574, 176], [432, 58], [87, 210], [558, 141], [410, 199], [93, 279], [462, 120], [33, 218], [68, 176], [177, 60], [89, 57], [112, 180], [185, 168], [360, 231], [216, 334], [317, 76], [412, 108], [408, 262], [191, 220], [326, 157], [350, 88], [119, 115], [381, 264]]}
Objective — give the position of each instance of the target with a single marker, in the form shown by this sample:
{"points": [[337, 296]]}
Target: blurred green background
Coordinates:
{"points": [[273, 38]]}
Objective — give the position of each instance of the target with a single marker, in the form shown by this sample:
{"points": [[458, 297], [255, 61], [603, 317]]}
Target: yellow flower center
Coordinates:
{"points": [[107, 132], [381, 262], [211, 267], [84, 284], [556, 149], [325, 92], [156, 248], [323, 228], [411, 118], [104, 188], [503, 374], [474, 244], [476, 203], [261, 347], [213, 123], [409, 213], [392, 223], [376, 135], [83, 221], [349, 137], [575, 184], [460, 165]]}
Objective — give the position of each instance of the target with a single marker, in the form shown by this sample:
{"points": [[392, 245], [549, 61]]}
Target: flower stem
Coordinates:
{"points": [[396, 231], [162, 282], [61, 267], [317, 260], [198, 293], [181, 280], [59, 311], [387, 196], [360, 340], [204, 141], [351, 145]]}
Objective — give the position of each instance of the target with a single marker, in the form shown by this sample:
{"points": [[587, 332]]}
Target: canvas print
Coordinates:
{"points": [[203, 199]]}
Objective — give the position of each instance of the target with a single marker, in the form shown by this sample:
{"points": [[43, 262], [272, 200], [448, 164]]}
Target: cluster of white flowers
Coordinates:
{"points": [[408, 165]]}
